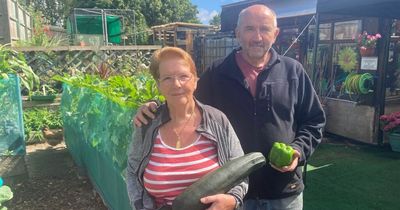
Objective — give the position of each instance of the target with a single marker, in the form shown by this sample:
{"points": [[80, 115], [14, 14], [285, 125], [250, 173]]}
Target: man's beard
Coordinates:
{"points": [[258, 52]]}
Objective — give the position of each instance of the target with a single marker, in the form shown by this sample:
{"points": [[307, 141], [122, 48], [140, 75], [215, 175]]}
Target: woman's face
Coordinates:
{"points": [[177, 83]]}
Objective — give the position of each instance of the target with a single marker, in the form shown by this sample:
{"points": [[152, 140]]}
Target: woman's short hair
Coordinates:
{"points": [[167, 53]]}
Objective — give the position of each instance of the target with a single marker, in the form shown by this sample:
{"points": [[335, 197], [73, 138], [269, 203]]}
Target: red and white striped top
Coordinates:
{"points": [[170, 170]]}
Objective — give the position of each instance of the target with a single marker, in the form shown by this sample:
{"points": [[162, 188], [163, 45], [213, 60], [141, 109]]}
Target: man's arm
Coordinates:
{"points": [[310, 118]]}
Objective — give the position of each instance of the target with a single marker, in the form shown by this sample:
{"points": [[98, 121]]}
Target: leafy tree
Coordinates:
{"points": [[167, 11], [216, 20]]}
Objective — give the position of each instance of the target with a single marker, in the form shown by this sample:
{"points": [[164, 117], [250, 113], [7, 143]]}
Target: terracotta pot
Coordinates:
{"points": [[364, 52]]}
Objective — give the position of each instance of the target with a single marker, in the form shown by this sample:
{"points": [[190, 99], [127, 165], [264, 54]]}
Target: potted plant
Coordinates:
{"points": [[391, 126], [367, 43], [46, 93]]}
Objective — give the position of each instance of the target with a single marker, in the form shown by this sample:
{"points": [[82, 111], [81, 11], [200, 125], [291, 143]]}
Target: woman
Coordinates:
{"points": [[185, 141]]}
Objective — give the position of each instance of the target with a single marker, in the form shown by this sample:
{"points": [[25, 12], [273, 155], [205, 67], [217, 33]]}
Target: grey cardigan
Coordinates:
{"points": [[214, 126]]}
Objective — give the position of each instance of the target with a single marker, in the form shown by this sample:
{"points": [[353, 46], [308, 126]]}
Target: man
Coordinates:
{"points": [[268, 98]]}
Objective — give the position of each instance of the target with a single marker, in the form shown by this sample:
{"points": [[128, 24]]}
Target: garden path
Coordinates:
{"points": [[53, 182]]}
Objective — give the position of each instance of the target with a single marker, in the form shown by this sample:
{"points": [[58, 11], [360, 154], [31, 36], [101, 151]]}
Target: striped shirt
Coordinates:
{"points": [[170, 171]]}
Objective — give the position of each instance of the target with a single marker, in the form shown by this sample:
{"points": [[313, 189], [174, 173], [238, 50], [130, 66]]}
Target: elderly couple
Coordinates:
{"points": [[242, 103]]}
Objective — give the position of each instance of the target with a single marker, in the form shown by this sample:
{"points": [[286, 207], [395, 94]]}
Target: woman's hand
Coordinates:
{"points": [[290, 167], [220, 202], [146, 110]]}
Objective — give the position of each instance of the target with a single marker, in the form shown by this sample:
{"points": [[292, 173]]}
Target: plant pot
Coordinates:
{"points": [[365, 52], [394, 141], [43, 98]]}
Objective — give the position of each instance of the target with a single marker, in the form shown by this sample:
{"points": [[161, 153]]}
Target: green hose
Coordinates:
{"points": [[358, 83]]}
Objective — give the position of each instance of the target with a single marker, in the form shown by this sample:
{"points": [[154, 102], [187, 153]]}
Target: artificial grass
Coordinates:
{"points": [[342, 177]]}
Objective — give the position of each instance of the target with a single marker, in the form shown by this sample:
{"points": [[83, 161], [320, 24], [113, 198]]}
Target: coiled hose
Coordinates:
{"points": [[358, 83]]}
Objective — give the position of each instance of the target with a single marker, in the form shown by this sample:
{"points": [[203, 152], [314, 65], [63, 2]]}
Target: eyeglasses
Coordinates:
{"points": [[182, 79]]}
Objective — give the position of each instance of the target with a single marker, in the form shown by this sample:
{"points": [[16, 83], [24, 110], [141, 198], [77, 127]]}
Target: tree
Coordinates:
{"points": [[159, 12], [216, 20]]}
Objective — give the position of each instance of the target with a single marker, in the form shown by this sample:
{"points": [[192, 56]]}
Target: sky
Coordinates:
{"points": [[209, 8]]}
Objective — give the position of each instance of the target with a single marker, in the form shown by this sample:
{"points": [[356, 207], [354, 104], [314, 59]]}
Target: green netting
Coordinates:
{"points": [[93, 25], [97, 132], [11, 124]]}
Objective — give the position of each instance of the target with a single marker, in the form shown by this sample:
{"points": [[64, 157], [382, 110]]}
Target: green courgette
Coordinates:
{"points": [[218, 181]]}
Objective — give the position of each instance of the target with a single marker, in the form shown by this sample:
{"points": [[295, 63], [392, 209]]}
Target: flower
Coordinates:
{"points": [[391, 122], [366, 40]]}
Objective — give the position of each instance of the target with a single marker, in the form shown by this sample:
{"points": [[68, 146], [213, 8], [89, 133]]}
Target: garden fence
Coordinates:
{"points": [[47, 62]]}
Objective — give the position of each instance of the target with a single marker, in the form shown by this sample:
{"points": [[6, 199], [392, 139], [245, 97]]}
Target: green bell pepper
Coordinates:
{"points": [[281, 154]]}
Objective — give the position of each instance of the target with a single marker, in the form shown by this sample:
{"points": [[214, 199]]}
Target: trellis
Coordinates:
{"points": [[48, 62]]}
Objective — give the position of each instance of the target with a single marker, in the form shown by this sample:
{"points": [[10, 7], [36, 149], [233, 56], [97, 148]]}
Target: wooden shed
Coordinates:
{"points": [[180, 34]]}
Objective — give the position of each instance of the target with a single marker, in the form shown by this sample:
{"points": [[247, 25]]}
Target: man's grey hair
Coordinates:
{"points": [[245, 10]]}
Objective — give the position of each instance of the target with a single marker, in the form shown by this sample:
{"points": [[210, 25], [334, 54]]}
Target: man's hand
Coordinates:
{"points": [[220, 202], [290, 167], [146, 109]]}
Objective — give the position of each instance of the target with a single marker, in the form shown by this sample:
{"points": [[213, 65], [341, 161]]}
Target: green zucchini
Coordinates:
{"points": [[218, 181]]}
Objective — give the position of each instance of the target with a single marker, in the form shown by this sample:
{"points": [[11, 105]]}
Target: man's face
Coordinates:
{"points": [[256, 33]]}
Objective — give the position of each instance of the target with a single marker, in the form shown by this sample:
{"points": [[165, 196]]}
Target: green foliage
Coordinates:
{"points": [[44, 90], [99, 112], [34, 137], [166, 11], [5, 195], [13, 62], [216, 20], [38, 118], [126, 91], [54, 11]]}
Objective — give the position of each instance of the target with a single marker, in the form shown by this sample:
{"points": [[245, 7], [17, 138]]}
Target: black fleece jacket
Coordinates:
{"points": [[286, 109]]}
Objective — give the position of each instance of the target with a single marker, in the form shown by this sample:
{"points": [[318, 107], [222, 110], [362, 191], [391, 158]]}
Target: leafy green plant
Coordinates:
{"points": [[5, 195], [44, 90], [13, 62], [7, 153], [100, 111], [34, 137], [38, 118], [126, 91]]}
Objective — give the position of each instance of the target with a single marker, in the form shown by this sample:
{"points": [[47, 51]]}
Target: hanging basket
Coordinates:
{"points": [[365, 52], [394, 141]]}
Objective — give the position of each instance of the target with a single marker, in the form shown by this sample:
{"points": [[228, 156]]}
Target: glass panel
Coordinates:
{"points": [[339, 73], [347, 30], [325, 31], [392, 82]]}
